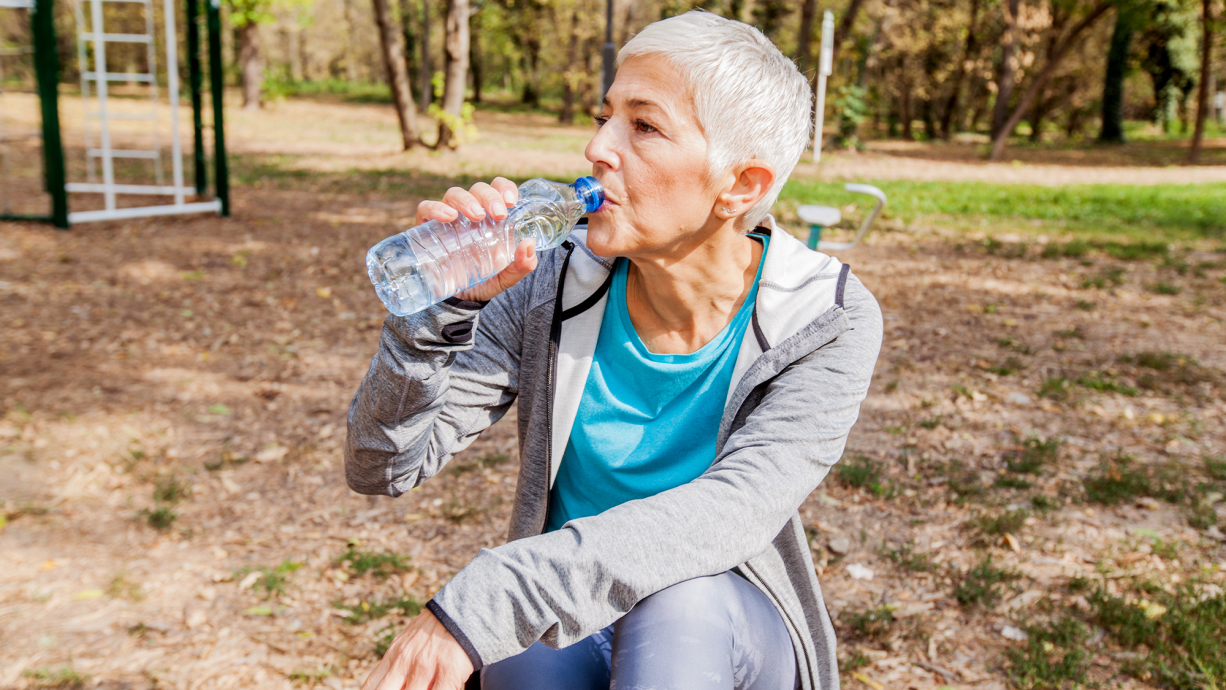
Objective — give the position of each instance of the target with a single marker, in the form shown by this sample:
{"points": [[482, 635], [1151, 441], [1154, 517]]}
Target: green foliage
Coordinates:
{"points": [[384, 641], [1116, 481], [1010, 366], [1181, 634], [377, 564], [55, 679], [244, 12], [1054, 655], [339, 89], [931, 422], [305, 677], [1163, 288], [981, 586], [850, 108]]}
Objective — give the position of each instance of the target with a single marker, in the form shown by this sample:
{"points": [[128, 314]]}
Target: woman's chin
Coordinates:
{"points": [[599, 237]]}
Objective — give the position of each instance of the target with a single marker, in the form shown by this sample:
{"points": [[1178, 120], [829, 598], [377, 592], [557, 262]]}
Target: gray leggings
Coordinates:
{"points": [[709, 633]]}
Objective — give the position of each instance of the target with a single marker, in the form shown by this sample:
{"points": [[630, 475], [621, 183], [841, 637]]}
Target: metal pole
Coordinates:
{"points": [[196, 81], [216, 82], [824, 69], [608, 52], [172, 97], [46, 65], [101, 76]]}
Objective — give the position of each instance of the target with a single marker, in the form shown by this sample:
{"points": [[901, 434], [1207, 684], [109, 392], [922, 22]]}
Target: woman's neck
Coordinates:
{"points": [[679, 305]]}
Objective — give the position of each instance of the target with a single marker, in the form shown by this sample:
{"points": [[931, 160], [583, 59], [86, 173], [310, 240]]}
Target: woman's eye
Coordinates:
{"points": [[644, 127], [600, 121]]}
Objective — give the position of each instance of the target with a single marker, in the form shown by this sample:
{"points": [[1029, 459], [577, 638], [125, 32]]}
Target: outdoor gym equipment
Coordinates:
{"points": [[97, 78], [821, 217]]}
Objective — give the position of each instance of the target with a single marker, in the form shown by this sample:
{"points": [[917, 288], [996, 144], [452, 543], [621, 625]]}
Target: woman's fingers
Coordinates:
{"points": [[434, 210], [490, 199], [508, 190], [465, 202]]}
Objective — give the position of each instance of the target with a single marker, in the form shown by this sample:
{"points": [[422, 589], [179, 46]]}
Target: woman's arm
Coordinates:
{"points": [[563, 586], [443, 375]]}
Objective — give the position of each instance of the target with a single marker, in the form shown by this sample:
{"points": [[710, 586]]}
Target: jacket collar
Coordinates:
{"points": [[797, 287]]}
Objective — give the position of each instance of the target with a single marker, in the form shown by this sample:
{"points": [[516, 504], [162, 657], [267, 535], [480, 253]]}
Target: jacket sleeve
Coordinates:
{"points": [[565, 585], [441, 377]]}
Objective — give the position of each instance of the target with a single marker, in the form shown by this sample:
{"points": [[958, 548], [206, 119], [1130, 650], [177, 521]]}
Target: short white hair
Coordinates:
{"points": [[751, 100]]}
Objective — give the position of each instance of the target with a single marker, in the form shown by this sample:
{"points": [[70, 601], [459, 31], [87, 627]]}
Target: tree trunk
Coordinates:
{"points": [[1062, 48], [1206, 74], [455, 48], [351, 56], [1113, 83], [566, 115], [1005, 73], [474, 61], [955, 93], [424, 75], [904, 102], [294, 51], [804, 49], [397, 74], [250, 64], [407, 36], [843, 31]]}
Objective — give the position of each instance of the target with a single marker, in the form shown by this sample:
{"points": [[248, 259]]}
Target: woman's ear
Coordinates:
{"points": [[751, 181]]}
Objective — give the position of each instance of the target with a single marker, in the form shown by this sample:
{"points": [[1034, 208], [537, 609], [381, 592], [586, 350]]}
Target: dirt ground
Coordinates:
{"points": [[174, 394]]}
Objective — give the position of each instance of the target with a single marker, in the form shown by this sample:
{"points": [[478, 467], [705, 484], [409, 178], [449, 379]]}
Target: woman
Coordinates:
{"points": [[682, 384]]}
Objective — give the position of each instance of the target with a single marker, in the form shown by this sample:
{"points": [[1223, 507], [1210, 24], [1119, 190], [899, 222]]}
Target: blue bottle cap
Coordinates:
{"points": [[590, 192]]}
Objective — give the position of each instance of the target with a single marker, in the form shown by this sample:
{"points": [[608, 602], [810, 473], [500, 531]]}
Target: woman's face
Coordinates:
{"points": [[650, 155]]}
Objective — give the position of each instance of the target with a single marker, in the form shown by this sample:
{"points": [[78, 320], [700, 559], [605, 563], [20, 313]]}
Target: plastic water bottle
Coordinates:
{"points": [[435, 260]]}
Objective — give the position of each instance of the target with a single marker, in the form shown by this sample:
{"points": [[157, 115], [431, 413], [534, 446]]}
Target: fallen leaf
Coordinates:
{"points": [[867, 681], [859, 572], [1011, 633], [88, 594], [271, 454], [1012, 542], [258, 611], [324, 292], [249, 581]]}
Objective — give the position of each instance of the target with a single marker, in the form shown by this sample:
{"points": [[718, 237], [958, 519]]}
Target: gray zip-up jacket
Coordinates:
{"points": [[445, 374]]}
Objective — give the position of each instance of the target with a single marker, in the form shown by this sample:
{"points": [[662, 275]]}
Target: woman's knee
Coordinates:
{"points": [[702, 599]]}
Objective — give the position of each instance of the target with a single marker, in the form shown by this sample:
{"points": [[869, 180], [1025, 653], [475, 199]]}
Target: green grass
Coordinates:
{"points": [[1180, 634], [982, 585], [1116, 482], [1150, 214], [858, 472], [1008, 522], [1105, 384], [273, 580], [1109, 276], [55, 679], [873, 624], [375, 609], [379, 564], [906, 557], [1055, 388], [161, 518], [1054, 655], [171, 489], [1034, 453]]}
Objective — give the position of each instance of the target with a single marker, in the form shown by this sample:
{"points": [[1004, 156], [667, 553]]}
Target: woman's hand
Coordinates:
{"points": [[483, 199], [424, 656]]}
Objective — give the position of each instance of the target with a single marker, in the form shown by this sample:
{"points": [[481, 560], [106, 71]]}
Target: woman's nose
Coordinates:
{"points": [[603, 148]]}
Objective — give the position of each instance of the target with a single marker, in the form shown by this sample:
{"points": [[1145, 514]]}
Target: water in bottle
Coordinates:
{"points": [[435, 260]]}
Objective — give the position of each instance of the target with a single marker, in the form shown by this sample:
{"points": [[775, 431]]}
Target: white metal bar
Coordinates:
{"points": [[87, 188], [144, 211], [118, 38], [152, 60], [123, 153], [108, 164], [116, 76], [17, 4], [172, 97], [82, 67]]}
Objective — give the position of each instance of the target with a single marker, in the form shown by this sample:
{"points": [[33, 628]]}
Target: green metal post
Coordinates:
{"points": [[221, 175], [196, 83], [46, 66]]}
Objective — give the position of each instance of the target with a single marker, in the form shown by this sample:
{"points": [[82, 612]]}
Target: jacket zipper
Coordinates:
{"points": [[555, 337]]}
